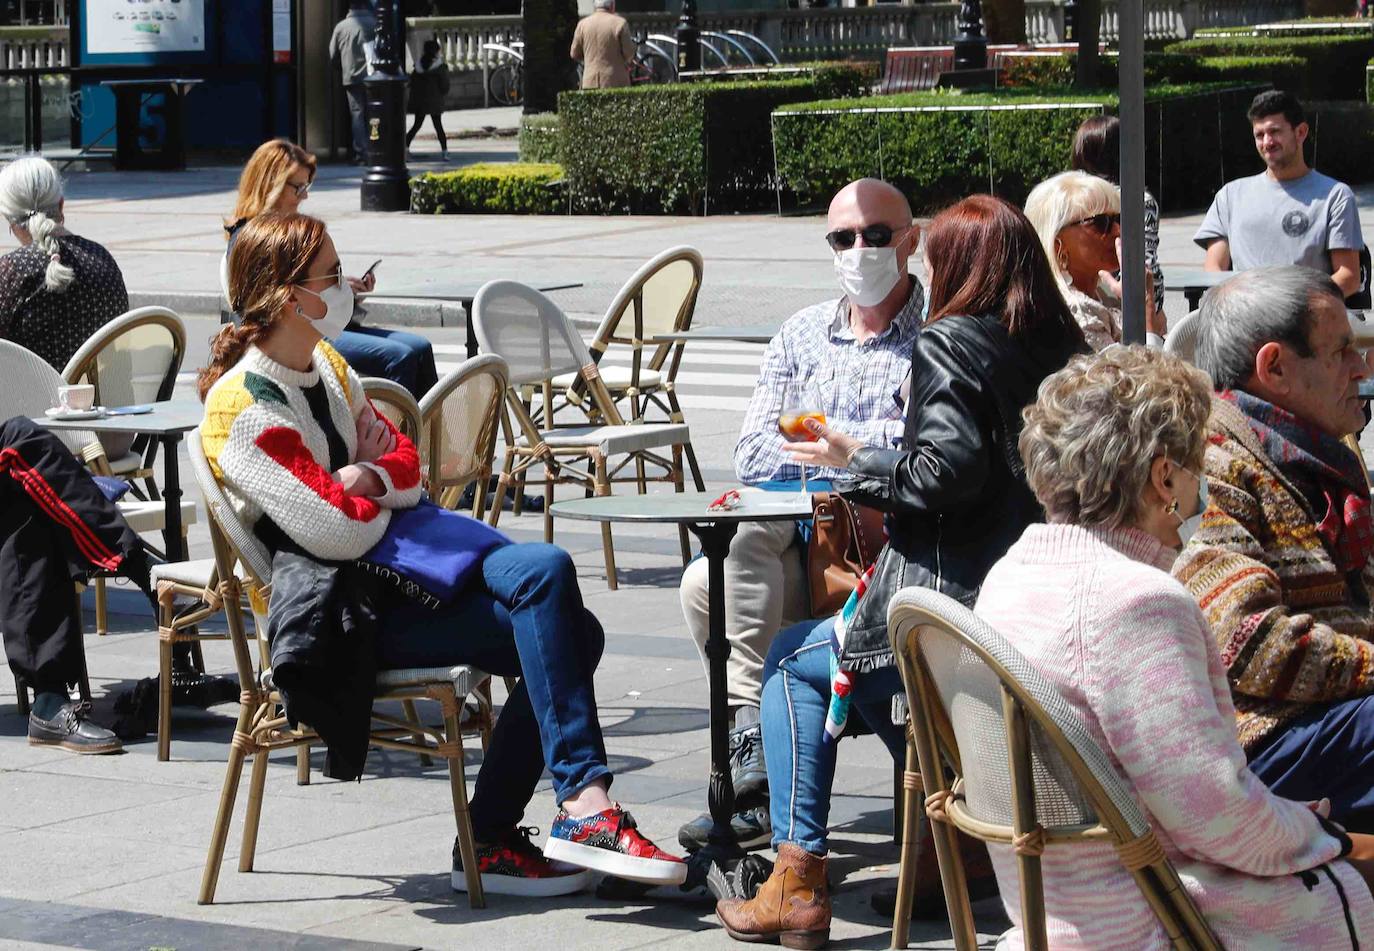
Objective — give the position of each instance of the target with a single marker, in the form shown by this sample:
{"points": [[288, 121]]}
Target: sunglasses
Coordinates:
{"points": [[1102, 223], [301, 190], [875, 236]]}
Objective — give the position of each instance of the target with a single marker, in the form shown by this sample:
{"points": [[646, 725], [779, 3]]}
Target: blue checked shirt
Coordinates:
{"points": [[858, 385]]}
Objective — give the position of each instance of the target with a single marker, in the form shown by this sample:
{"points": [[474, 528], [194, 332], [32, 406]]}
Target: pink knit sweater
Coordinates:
{"points": [[1125, 644]]}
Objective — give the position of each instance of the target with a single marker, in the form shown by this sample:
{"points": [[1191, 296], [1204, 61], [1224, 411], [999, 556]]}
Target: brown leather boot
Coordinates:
{"points": [[792, 907]]}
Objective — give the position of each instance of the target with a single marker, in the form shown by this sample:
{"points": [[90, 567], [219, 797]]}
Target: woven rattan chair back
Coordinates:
{"points": [[460, 416], [396, 403], [28, 387], [1025, 771]]}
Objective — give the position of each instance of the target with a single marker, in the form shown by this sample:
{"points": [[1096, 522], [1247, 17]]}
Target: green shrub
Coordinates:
{"points": [[1335, 64], [688, 147], [539, 137], [1284, 72], [957, 144], [1307, 26], [1341, 139], [503, 188], [834, 79]]}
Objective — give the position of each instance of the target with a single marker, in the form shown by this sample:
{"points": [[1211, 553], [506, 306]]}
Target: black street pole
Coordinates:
{"points": [[386, 186], [1132, 175], [970, 45], [688, 38]]}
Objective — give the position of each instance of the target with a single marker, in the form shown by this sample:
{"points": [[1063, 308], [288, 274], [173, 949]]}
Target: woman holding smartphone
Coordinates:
{"points": [[278, 178]]}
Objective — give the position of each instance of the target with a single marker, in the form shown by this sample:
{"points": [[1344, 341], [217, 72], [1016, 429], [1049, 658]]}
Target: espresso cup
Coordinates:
{"points": [[76, 398]]}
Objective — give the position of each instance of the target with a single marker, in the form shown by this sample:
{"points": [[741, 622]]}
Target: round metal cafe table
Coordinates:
{"points": [[713, 865]]}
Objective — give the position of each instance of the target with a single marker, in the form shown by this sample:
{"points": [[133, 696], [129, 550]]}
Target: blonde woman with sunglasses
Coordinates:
{"points": [[1078, 219], [277, 178]]}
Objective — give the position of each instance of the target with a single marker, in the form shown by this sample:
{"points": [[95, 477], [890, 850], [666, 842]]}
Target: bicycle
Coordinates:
{"points": [[651, 64], [506, 81]]}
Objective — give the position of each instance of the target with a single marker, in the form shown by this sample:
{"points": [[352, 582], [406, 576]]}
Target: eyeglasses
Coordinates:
{"points": [[301, 189], [1102, 223], [875, 236]]}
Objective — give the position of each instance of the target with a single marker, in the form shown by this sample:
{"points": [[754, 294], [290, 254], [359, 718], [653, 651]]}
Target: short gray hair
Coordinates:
{"points": [[31, 198], [1255, 307], [604, 4], [1098, 425]]}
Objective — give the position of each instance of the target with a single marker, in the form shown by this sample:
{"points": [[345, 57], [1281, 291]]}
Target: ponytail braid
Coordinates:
{"points": [[43, 230]]}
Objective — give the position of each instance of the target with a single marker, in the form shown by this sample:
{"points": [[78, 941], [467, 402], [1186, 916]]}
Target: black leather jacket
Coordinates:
{"points": [[956, 493]]}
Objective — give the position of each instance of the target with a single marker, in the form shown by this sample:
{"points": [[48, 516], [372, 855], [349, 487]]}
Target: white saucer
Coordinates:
{"points": [[57, 412]]}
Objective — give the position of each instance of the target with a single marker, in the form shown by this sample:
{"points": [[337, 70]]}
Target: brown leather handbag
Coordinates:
{"points": [[845, 540]]}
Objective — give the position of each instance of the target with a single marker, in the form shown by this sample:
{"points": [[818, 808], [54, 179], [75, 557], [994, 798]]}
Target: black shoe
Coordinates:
{"points": [[71, 730], [191, 688], [752, 828], [747, 769]]}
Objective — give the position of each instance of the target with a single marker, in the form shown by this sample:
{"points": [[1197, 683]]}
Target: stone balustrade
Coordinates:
{"points": [[33, 47]]}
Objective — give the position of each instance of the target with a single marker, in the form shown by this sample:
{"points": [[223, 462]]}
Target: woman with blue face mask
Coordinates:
{"points": [[1113, 450]]}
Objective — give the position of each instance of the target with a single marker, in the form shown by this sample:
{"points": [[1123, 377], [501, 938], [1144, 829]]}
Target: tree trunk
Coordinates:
{"points": [[548, 30], [1086, 25], [1005, 20]]}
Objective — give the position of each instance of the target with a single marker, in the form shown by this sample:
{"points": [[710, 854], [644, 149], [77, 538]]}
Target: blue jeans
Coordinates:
{"points": [[521, 617], [406, 358], [801, 764], [1329, 752]]}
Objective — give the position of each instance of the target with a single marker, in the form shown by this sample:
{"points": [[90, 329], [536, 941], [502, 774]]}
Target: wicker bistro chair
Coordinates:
{"points": [[538, 343], [395, 402], [134, 358], [460, 416], [262, 728], [1026, 773], [659, 298]]}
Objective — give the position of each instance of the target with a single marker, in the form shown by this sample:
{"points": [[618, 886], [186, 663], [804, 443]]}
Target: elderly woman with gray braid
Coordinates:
{"points": [[56, 289], [1113, 449]]}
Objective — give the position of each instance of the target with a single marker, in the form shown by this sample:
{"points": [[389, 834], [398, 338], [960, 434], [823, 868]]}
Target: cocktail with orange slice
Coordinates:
{"points": [[800, 403]]}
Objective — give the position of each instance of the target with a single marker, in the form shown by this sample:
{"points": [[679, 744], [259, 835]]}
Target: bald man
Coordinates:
{"points": [[854, 351]]}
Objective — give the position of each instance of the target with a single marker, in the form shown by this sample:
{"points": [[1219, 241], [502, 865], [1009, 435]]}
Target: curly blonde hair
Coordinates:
{"points": [[1099, 423]]}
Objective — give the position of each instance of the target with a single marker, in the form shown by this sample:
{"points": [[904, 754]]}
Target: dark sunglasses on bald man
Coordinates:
{"points": [[875, 236]]}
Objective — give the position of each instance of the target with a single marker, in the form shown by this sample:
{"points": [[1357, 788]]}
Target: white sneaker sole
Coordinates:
{"points": [[636, 869], [526, 887]]}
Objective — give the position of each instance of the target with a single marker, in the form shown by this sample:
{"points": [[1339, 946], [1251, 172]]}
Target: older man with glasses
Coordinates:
{"points": [[852, 354], [1281, 563]]}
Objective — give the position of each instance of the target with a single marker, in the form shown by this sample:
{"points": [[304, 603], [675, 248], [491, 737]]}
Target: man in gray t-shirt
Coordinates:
{"points": [[1287, 214]]}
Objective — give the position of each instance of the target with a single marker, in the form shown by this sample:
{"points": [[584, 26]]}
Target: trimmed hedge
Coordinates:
{"points": [[970, 143], [1335, 64], [834, 79], [686, 147], [1284, 72], [509, 188], [539, 137]]}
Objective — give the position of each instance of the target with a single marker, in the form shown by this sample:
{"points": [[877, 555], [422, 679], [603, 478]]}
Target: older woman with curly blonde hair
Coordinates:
{"points": [[1078, 219], [1113, 451]]}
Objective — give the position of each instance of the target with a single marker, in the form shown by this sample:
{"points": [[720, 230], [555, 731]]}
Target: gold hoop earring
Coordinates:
{"points": [[1171, 508]]}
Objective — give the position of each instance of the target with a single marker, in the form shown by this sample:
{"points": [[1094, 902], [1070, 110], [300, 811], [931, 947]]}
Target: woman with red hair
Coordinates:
{"points": [[956, 498]]}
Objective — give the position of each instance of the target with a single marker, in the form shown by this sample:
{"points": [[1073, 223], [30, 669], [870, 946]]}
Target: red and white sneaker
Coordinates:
{"points": [[610, 842], [515, 866]]}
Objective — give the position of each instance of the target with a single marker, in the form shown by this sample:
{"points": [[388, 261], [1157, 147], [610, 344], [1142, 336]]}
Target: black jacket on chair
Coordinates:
{"points": [[956, 493]]}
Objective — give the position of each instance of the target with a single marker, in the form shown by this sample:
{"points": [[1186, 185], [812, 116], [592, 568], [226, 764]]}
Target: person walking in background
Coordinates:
{"points": [[350, 46], [428, 87], [1097, 151], [56, 289], [603, 45]]}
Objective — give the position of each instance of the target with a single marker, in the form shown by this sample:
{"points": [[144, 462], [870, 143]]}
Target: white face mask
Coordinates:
{"points": [[867, 275], [1188, 526], [338, 309]]}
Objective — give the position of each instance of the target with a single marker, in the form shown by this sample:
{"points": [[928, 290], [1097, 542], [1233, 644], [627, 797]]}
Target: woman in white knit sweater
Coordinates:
{"points": [[309, 464], [1113, 450]]}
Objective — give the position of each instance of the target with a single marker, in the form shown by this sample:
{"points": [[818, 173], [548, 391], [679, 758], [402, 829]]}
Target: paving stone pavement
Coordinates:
{"points": [[106, 852]]}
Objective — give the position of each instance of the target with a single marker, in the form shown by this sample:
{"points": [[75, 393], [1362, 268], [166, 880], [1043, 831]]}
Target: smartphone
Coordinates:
{"points": [[370, 269], [136, 410]]}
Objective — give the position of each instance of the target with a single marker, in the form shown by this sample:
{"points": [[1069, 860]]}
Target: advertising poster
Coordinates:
{"points": [[145, 26]]}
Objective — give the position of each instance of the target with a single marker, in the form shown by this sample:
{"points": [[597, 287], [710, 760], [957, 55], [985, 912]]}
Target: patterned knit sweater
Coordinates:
{"points": [[1292, 630], [1127, 647], [274, 436]]}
